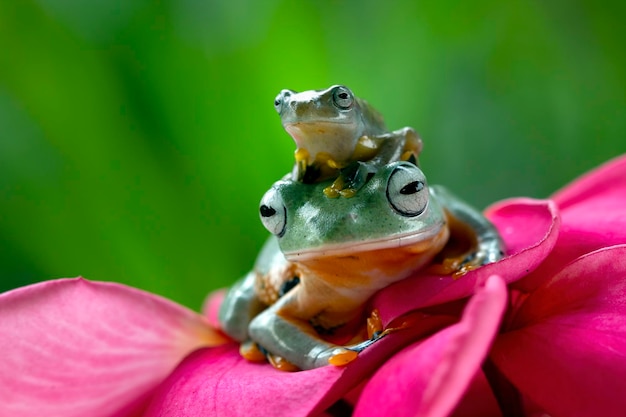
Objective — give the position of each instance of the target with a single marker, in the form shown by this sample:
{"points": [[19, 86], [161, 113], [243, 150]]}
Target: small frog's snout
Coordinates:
{"points": [[282, 100]]}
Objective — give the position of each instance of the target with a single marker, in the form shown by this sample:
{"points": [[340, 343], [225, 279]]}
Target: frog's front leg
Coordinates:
{"points": [[489, 246], [240, 305], [400, 145], [294, 339]]}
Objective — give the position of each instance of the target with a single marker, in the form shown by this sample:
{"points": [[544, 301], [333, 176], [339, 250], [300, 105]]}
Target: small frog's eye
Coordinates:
{"points": [[406, 191], [342, 97], [273, 213]]}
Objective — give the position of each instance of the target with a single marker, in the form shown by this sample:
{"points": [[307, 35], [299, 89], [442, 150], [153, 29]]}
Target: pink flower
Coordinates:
{"points": [[561, 348], [563, 343], [78, 348], [71, 347]]}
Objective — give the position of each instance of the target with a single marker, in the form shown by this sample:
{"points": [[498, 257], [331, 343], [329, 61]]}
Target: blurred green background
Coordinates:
{"points": [[137, 137]]}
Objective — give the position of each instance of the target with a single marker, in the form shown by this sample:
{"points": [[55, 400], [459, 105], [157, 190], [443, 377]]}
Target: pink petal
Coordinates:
{"points": [[566, 348], [77, 348], [529, 229], [219, 382], [211, 307], [478, 400], [593, 214], [429, 378], [608, 180]]}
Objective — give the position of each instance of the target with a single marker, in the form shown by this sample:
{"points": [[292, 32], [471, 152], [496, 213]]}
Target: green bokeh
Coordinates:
{"points": [[137, 137]]}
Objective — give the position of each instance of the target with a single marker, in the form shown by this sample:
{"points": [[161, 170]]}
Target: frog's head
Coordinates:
{"points": [[329, 121], [394, 209]]}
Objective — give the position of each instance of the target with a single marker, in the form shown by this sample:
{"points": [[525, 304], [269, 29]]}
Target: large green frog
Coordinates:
{"points": [[327, 257]]}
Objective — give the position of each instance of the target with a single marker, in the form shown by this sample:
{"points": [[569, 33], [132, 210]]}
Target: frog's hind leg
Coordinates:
{"points": [[350, 180], [370, 154], [463, 219]]}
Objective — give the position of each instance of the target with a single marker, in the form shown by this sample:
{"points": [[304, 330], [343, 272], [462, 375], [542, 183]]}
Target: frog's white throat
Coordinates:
{"points": [[337, 138]]}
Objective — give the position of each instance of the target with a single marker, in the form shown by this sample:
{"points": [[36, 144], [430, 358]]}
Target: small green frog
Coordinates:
{"points": [[327, 257], [340, 136]]}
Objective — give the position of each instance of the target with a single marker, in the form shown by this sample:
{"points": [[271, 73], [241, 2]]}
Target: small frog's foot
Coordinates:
{"points": [[350, 180], [334, 190], [409, 156], [300, 167], [356, 175], [301, 155], [338, 188]]}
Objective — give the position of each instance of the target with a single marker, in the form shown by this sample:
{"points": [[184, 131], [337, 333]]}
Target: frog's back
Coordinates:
{"points": [[372, 118]]}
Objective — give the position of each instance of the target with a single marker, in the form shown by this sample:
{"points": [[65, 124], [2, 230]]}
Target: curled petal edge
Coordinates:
{"points": [[529, 228]]}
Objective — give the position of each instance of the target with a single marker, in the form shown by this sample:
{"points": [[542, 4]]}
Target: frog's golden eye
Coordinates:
{"points": [[342, 97], [273, 213], [406, 191]]}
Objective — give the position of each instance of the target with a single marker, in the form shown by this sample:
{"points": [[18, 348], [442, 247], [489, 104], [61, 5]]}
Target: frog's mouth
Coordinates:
{"points": [[422, 241]]}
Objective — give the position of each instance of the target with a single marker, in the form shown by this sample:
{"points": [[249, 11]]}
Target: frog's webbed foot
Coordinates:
{"points": [[351, 179]]}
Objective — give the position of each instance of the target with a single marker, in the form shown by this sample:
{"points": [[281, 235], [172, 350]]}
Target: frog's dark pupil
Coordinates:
{"points": [[412, 187], [276, 102], [267, 211], [343, 96]]}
